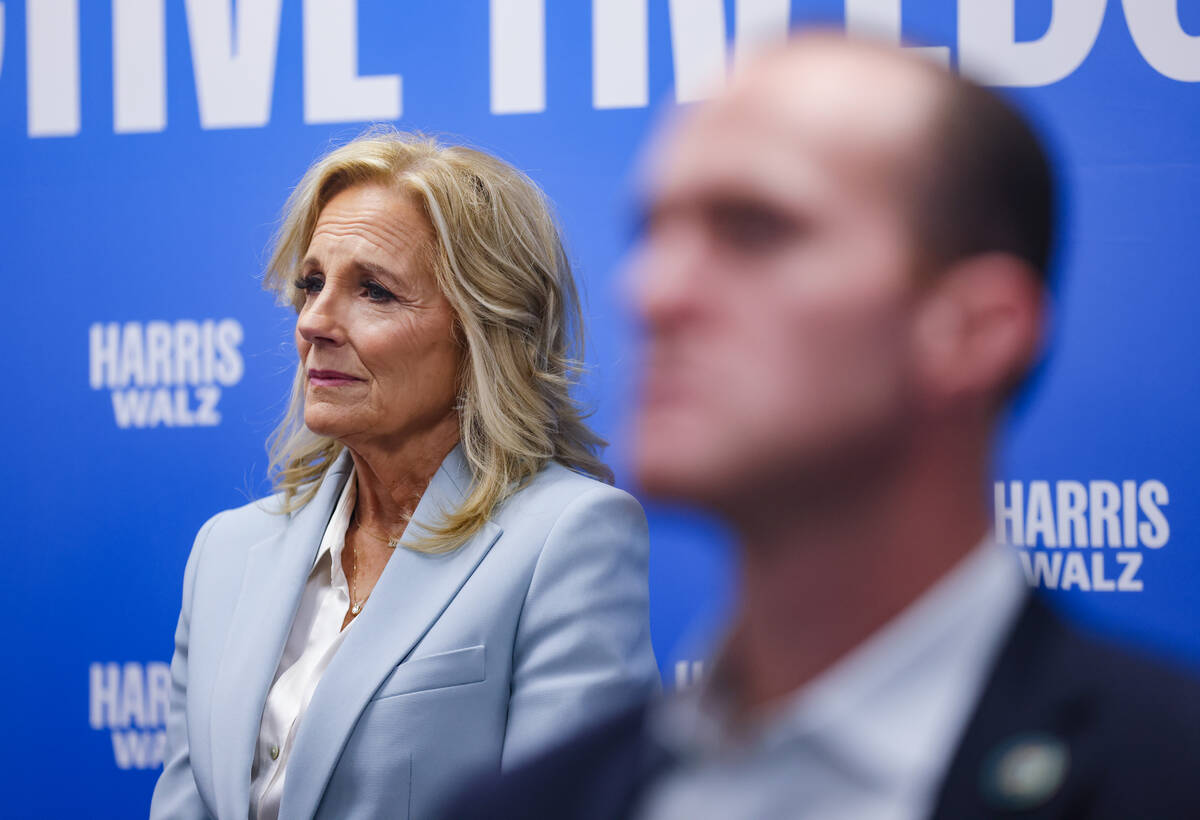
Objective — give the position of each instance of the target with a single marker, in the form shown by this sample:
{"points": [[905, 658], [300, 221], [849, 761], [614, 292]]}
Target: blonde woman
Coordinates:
{"points": [[445, 580]]}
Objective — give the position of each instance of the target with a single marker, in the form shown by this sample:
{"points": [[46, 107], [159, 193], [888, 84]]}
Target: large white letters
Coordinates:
{"points": [[234, 65], [234, 47], [139, 66], [518, 56], [52, 61], [698, 36], [697, 47], [620, 54], [881, 19], [988, 50], [333, 91], [759, 23], [1171, 51]]}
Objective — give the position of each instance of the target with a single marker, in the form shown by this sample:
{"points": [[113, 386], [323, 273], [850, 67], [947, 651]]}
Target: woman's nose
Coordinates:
{"points": [[320, 321]]}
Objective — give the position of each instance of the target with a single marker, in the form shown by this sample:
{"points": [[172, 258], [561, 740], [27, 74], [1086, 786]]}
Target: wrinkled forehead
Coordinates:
{"points": [[831, 121]]}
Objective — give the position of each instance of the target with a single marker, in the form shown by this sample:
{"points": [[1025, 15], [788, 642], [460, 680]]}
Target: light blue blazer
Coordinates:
{"points": [[473, 660]]}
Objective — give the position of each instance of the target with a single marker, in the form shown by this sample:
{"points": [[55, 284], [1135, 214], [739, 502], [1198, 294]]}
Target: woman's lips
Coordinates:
{"points": [[330, 378]]}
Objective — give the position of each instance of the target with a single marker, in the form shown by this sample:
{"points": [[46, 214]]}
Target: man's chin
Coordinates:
{"points": [[676, 480], [665, 456]]}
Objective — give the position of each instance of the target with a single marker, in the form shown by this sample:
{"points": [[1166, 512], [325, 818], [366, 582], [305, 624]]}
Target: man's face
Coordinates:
{"points": [[775, 282]]}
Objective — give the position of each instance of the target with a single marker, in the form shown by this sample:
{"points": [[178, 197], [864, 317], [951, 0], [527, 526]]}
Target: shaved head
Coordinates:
{"points": [[793, 225], [965, 166]]}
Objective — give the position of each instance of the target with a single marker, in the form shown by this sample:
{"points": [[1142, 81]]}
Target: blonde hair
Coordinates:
{"points": [[498, 258]]}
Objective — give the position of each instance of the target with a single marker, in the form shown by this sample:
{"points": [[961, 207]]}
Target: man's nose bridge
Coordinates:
{"points": [[671, 271]]}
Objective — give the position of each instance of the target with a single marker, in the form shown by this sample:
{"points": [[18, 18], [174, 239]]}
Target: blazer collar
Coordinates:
{"points": [[407, 600], [276, 570]]}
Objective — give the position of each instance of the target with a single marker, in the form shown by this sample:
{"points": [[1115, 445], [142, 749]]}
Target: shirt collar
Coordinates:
{"points": [[892, 709]]}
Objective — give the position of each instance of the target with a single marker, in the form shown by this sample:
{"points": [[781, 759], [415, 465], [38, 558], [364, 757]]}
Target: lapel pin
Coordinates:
{"points": [[1025, 771]]}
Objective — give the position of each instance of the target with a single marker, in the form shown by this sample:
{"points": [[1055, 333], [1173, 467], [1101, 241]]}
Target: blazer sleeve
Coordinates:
{"points": [[582, 650], [175, 793]]}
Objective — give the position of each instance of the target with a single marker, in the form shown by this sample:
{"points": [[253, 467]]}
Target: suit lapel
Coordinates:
{"points": [[407, 600], [1038, 702], [276, 571]]}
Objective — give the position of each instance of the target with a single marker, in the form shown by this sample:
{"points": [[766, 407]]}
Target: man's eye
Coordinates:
{"points": [[377, 293], [749, 228]]}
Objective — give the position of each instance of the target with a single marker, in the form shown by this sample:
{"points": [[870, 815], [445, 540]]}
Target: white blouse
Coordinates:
{"points": [[315, 637]]}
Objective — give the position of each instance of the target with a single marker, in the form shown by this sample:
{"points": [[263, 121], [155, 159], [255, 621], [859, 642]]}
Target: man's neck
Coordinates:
{"points": [[816, 582]]}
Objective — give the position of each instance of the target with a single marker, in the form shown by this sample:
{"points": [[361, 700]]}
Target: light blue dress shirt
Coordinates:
{"points": [[870, 738]]}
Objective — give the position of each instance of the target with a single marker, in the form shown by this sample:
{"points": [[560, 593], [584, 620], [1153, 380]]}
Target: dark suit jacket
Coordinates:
{"points": [[1130, 728]]}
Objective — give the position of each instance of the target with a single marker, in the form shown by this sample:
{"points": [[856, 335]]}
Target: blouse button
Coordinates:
{"points": [[274, 752]]}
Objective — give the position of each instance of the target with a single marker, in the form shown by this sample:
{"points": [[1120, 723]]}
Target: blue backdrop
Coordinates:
{"points": [[148, 146]]}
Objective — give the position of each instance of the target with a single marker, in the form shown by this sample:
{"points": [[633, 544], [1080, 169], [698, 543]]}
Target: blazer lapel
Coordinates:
{"points": [[277, 569], [407, 600]]}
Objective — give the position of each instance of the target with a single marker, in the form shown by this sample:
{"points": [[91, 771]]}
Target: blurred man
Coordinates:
{"points": [[842, 281]]}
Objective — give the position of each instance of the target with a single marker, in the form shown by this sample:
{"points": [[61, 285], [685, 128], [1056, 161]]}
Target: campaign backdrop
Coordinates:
{"points": [[147, 147]]}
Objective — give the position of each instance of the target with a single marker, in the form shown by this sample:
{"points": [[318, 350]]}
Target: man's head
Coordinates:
{"points": [[843, 251]]}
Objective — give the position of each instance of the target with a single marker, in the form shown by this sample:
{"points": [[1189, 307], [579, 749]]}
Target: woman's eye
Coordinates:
{"points": [[377, 293], [310, 283]]}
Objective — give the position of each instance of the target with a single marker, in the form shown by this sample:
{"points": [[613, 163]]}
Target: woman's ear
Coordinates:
{"points": [[978, 329]]}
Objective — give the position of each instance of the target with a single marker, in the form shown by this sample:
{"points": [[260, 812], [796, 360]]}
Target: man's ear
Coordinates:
{"points": [[978, 329]]}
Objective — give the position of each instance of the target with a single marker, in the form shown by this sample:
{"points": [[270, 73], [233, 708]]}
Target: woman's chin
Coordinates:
{"points": [[330, 425]]}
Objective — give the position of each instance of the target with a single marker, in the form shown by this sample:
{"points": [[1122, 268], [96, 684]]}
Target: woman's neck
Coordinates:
{"points": [[391, 477]]}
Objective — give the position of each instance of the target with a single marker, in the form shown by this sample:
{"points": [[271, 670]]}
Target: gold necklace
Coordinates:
{"points": [[355, 606], [389, 540]]}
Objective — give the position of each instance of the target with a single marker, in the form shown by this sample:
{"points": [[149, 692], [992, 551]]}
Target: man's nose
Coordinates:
{"points": [[664, 280]]}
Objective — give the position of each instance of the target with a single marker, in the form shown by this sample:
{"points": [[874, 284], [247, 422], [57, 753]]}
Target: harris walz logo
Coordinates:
{"points": [[166, 374], [1090, 536], [130, 701]]}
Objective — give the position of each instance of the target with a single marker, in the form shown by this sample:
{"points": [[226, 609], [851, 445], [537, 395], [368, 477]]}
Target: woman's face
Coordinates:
{"points": [[375, 334]]}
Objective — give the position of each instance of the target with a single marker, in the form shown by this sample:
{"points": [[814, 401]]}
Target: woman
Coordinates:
{"points": [[444, 581]]}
